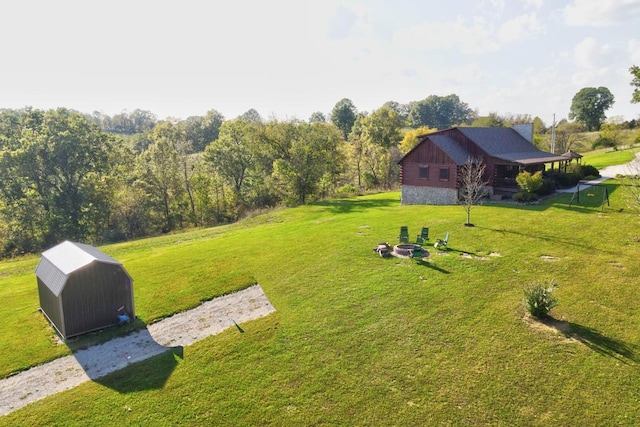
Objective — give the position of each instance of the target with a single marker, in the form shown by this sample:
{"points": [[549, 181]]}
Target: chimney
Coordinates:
{"points": [[525, 130]]}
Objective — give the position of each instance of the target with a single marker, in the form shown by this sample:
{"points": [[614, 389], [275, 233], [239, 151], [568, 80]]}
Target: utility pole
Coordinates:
{"points": [[553, 134]]}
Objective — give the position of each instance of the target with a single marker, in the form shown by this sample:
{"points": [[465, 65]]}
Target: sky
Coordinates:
{"points": [[290, 58]]}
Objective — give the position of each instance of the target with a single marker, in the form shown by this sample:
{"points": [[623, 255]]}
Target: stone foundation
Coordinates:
{"points": [[413, 195]]}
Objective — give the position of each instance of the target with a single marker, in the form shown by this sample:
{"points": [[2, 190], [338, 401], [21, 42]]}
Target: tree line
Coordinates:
{"points": [[100, 178]]}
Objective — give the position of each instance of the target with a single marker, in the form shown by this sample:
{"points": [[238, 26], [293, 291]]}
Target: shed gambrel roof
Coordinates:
{"points": [[60, 261], [507, 144]]}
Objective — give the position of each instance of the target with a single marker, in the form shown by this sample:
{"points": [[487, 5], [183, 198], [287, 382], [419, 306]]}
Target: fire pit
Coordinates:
{"points": [[405, 249]]}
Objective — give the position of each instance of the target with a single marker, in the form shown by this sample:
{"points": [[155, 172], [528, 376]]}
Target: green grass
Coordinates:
{"points": [[609, 157], [361, 340]]}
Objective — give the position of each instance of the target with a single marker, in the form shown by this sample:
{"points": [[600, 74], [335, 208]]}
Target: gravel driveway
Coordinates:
{"points": [[182, 329]]}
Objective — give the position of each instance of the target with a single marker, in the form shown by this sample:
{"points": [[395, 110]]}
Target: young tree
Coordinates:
{"points": [[589, 106], [635, 72], [473, 185]]}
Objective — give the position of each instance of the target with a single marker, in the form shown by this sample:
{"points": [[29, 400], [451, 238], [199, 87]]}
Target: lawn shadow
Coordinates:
{"points": [[596, 341], [341, 206], [432, 266], [119, 363], [551, 238]]}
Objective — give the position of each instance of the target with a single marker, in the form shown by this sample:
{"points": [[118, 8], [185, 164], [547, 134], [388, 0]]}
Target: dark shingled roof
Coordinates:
{"points": [[509, 145], [451, 148], [572, 155]]}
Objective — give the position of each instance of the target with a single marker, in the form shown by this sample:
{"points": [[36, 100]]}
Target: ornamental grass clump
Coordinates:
{"points": [[538, 298]]}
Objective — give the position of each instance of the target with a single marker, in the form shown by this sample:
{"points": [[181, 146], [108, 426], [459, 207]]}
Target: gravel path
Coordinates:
{"points": [[182, 329], [609, 172]]}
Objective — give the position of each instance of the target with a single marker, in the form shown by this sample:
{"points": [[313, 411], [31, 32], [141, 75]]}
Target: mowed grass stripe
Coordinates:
{"points": [[361, 340]]}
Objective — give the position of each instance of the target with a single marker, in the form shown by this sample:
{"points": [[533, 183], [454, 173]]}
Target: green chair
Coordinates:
{"points": [[442, 244], [424, 236], [404, 234], [416, 252]]}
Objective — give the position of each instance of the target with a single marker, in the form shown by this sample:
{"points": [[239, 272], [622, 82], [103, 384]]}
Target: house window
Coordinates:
{"points": [[424, 172], [444, 174]]}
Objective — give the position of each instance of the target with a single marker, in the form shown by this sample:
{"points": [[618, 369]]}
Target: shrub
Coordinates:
{"points": [[528, 182], [346, 190], [603, 142], [524, 197], [575, 168], [548, 187], [567, 179], [589, 171], [538, 298]]}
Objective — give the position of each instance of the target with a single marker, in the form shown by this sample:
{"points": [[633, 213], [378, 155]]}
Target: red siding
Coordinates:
{"points": [[427, 154]]}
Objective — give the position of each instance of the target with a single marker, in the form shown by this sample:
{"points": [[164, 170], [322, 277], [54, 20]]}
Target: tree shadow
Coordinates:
{"points": [[341, 206], [596, 341], [432, 266], [550, 238], [105, 363]]}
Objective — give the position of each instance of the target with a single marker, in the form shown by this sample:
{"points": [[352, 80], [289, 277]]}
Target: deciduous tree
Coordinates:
{"points": [[411, 139], [589, 106], [317, 116], [343, 116], [473, 185], [635, 72], [439, 112]]}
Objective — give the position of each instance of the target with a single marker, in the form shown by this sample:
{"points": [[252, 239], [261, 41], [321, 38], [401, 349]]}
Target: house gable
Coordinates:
{"points": [[504, 151]]}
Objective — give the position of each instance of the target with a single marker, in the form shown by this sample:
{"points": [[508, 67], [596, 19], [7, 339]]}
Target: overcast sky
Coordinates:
{"points": [[289, 58]]}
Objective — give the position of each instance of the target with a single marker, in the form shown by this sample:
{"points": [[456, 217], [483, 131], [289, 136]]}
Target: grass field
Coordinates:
{"points": [[361, 340], [609, 157]]}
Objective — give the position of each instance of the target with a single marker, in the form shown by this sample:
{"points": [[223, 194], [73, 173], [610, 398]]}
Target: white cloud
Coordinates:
{"points": [[463, 75], [600, 13], [633, 47], [470, 38], [497, 4], [520, 27], [590, 54], [534, 3]]}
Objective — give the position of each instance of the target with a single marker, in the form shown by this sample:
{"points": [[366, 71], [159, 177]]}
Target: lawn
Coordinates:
{"points": [[609, 157], [361, 340]]}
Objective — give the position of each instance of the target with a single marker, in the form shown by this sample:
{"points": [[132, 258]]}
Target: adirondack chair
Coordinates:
{"points": [[416, 252], [423, 236], [404, 234], [442, 243]]}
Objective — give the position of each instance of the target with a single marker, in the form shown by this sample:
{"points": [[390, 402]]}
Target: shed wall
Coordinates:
{"points": [[50, 305], [92, 296]]}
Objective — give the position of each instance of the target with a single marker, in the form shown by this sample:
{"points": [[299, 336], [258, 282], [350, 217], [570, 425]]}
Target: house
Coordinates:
{"points": [[429, 172], [82, 289]]}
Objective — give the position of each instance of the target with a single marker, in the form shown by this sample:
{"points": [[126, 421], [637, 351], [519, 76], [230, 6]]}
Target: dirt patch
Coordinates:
{"points": [[182, 329], [559, 328]]}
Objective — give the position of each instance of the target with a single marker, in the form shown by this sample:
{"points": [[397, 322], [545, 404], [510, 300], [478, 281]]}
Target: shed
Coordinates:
{"points": [[82, 289]]}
